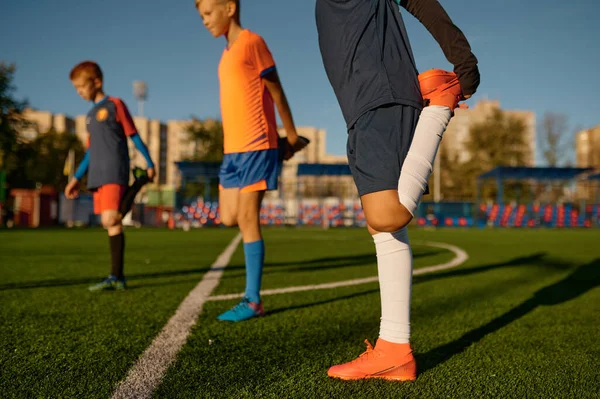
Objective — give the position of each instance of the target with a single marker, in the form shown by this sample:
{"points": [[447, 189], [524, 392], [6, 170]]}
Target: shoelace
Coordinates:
{"points": [[243, 304], [366, 354]]}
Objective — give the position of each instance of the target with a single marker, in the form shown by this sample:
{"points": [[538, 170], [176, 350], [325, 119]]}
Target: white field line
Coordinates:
{"points": [[460, 258], [147, 373]]}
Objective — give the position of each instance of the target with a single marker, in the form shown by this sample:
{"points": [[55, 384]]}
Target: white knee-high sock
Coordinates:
{"points": [[394, 264], [418, 164]]}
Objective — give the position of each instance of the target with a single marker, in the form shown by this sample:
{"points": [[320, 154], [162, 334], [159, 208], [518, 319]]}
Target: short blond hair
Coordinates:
{"points": [[236, 2]]}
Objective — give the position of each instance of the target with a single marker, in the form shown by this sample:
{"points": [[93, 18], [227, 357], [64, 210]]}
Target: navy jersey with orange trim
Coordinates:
{"points": [[109, 123]]}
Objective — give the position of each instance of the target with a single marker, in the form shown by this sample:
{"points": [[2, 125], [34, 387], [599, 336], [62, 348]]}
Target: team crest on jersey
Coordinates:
{"points": [[102, 115]]}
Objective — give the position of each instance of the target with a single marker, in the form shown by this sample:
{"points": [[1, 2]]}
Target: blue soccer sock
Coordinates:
{"points": [[254, 253]]}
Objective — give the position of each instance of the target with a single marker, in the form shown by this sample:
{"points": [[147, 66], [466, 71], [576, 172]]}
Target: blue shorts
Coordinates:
{"points": [[250, 171]]}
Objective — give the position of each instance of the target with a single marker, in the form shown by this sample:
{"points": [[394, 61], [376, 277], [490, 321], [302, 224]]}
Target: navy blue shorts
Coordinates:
{"points": [[250, 171], [378, 144]]}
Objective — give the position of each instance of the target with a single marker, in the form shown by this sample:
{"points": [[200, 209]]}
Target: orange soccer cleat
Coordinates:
{"points": [[388, 361]]}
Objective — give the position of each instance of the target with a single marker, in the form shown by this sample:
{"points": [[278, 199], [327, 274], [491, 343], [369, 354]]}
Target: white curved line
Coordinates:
{"points": [[460, 258]]}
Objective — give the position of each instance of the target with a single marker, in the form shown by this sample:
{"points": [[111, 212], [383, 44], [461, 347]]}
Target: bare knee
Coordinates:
{"points": [[388, 223], [384, 212], [110, 220], [385, 226], [247, 218], [228, 206], [228, 216], [229, 220]]}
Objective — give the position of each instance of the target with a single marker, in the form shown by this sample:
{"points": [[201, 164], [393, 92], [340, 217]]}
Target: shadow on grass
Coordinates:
{"points": [[580, 281], [538, 259], [308, 305], [310, 265]]}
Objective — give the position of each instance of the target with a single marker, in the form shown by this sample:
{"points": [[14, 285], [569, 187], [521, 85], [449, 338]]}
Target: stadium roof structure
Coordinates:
{"points": [[322, 169], [533, 173], [190, 170], [538, 174], [203, 172], [594, 177]]}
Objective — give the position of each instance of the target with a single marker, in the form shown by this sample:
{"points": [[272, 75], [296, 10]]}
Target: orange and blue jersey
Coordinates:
{"points": [[247, 107], [250, 161]]}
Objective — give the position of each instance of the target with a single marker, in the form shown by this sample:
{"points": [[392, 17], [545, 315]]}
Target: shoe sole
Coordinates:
{"points": [[111, 288], [380, 377], [390, 374], [236, 321], [101, 289]]}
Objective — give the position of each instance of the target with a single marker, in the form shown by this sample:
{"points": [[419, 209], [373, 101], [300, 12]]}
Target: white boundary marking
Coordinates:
{"points": [[147, 373], [460, 258]]}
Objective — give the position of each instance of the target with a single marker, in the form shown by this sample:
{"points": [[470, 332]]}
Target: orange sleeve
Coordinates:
{"points": [[124, 117], [262, 56]]}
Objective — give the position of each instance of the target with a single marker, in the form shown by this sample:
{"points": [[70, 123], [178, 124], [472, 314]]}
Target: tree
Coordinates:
{"points": [[51, 150], [551, 140], [207, 137], [11, 122], [451, 183], [499, 140]]}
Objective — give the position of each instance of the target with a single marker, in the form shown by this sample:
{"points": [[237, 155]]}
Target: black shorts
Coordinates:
{"points": [[378, 144]]}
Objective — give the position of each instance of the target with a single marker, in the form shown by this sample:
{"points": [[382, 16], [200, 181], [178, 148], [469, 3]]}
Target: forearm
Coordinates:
{"points": [[285, 113], [83, 166], [453, 42], [141, 147]]}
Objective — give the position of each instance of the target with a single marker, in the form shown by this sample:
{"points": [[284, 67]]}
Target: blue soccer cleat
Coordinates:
{"points": [[120, 284], [109, 284], [243, 311]]}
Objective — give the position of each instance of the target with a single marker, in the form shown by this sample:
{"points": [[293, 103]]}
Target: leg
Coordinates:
{"points": [[384, 212], [131, 192], [377, 147], [254, 247], [106, 202], [441, 90], [261, 176], [392, 357], [228, 206], [229, 189], [254, 254], [259, 171], [418, 164], [111, 220], [394, 266], [249, 215]]}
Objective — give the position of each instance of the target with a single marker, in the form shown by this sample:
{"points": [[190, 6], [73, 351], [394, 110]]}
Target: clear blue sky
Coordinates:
{"points": [[535, 55]]}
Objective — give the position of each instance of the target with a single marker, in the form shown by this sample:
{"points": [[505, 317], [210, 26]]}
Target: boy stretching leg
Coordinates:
{"points": [[391, 143]]}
